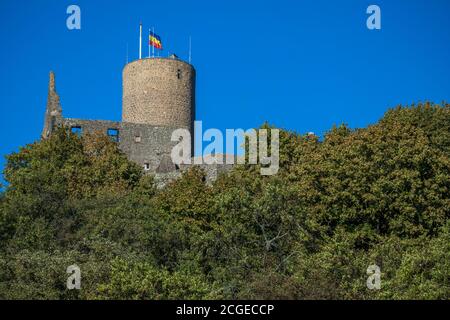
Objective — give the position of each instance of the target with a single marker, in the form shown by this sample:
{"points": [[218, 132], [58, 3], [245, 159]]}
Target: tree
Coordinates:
{"points": [[376, 195]]}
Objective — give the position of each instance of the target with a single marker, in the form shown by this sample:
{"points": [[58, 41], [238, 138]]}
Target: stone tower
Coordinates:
{"points": [[53, 113], [159, 92]]}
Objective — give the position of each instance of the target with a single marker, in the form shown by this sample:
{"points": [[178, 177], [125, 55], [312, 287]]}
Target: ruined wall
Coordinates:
{"points": [[144, 144], [92, 126], [149, 146]]}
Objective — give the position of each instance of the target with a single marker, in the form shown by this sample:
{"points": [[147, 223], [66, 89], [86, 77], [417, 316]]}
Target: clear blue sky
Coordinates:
{"points": [[301, 65]]}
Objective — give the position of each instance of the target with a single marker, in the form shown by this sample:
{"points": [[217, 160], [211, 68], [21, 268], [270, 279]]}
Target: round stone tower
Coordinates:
{"points": [[159, 92]]}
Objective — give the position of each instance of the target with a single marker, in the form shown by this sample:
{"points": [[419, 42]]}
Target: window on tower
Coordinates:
{"points": [[179, 74], [76, 130]]}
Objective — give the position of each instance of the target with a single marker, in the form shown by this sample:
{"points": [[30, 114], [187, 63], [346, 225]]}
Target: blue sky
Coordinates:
{"points": [[301, 65]]}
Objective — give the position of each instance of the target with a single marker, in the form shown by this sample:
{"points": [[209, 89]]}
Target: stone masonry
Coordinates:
{"points": [[159, 92]]}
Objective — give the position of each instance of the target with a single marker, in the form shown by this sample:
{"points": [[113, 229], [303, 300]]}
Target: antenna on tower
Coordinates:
{"points": [[190, 50], [127, 52], [153, 47], [140, 40]]}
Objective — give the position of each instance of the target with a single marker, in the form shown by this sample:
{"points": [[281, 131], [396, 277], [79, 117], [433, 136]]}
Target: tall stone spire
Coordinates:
{"points": [[53, 98], [53, 113], [51, 83]]}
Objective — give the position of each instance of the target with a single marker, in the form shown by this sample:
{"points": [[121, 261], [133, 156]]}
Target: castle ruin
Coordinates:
{"points": [[158, 97]]}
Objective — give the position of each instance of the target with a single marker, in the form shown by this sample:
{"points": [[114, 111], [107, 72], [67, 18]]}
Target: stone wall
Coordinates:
{"points": [[92, 126], [144, 144], [147, 145]]}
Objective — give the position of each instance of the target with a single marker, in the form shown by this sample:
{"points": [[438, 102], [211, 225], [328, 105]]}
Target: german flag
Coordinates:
{"points": [[155, 40]]}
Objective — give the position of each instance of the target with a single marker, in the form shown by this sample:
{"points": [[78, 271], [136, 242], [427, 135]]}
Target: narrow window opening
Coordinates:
{"points": [[113, 134], [146, 166], [137, 139], [179, 74], [53, 123], [76, 130]]}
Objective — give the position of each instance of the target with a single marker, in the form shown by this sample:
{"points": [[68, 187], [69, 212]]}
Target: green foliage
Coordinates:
{"points": [[142, 280], [379, 195]]}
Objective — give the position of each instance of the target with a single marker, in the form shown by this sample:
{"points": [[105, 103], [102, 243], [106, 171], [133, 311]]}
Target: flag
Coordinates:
{"points": [[155, 40]]}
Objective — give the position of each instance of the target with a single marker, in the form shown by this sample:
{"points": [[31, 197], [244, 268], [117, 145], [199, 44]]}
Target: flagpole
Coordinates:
{"points": [[149, 46], [140, 40], [153, 31]]}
